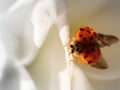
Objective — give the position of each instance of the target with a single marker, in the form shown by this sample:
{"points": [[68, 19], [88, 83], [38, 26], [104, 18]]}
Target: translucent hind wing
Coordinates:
{"points": [[101, 63], [106, 40]]}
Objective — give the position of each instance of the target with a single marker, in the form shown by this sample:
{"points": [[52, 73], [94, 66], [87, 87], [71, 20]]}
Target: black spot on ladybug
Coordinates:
{"points": [[90, 61], [81, 35], [77, 49], [78, 44], [71, 46], [85, 56], [91, 38], [88, 31], [93, 49], [82, 29], [72, 50], [94, 57], [87, 52], [84, 38], [80, 51]]}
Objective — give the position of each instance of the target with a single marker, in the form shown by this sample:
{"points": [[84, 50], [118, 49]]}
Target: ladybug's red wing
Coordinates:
{"points": [[106, 40], [101, 63]]}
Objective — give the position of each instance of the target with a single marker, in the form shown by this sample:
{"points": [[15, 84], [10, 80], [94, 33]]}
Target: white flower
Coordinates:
{"points": [[31, 33]]}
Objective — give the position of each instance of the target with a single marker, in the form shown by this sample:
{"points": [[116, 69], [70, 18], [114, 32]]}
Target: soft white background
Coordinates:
{"points": [[20, 22]]}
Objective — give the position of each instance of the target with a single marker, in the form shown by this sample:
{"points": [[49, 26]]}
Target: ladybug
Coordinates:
{"points": [[86, 45], [90, 55], [86, 35]]}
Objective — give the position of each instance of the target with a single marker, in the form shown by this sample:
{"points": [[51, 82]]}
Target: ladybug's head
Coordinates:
{"points": [[76, 46]]}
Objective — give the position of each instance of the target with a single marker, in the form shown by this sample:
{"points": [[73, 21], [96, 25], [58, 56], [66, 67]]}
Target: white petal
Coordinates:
{"points": [[3, 57], [65, 80], [5, 4], [26, 83], [43, 17], [10, 77], [18, 4], [76, 81]]}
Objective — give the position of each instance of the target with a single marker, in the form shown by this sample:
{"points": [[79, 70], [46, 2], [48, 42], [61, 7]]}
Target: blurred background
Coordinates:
{"points": [[47, 61]]}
